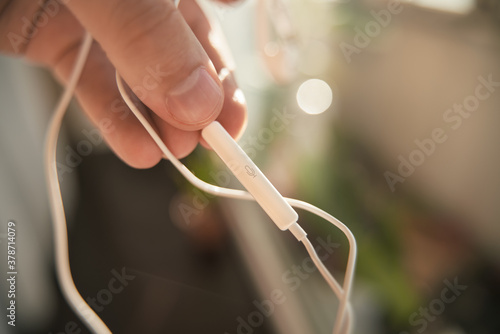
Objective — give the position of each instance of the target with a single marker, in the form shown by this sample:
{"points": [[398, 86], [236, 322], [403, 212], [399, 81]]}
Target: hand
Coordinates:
{"points": [[165, 58]]}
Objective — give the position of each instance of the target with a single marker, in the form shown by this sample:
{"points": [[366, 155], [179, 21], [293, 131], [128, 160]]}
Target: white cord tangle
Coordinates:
{"points": [[343, 293], [70, 292], [344, 317]]}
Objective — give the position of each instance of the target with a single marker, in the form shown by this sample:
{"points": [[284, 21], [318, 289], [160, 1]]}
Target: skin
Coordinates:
{"points": [[132, 37]]}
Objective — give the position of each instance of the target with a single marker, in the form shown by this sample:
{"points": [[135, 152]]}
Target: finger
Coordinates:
{"points": [[233, 115], [56, 45], [229, 2], [209, 34], [98, 95], [180, 142], [159, 57], [100, 98], [234, 111]]}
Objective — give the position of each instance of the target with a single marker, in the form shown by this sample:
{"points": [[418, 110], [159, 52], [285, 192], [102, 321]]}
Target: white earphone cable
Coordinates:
{"points": [[342, 293], [82, 309], [63, 270]]}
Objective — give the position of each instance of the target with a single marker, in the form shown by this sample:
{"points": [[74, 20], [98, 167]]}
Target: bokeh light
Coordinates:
{"points": [[314, 96]]}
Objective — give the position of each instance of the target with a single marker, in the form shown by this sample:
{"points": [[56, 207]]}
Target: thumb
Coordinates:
{"points": [[159, 57]]}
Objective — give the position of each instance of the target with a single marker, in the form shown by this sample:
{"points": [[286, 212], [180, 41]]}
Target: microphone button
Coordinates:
{"points": [[250, 171]]}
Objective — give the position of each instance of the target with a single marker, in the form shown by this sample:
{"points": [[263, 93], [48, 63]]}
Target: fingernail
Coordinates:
{"points": [[196, 99]]}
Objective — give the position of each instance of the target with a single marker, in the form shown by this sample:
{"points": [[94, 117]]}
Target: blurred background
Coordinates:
{"points": [[384, 114]]}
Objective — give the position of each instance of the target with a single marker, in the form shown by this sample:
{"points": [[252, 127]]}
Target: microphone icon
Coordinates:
{"points": [[250, 171]]}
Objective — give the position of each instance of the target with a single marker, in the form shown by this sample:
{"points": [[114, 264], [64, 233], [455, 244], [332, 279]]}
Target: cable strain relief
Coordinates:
{"points": [[298, 231]]}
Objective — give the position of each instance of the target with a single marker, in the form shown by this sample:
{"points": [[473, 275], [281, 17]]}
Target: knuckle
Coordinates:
{"points": [[139, 22]]}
